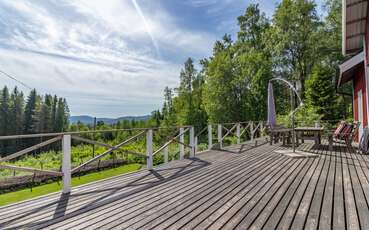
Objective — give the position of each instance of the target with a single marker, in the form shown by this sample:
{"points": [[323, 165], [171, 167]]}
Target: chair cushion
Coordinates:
{"points": [[339, 129], [346, 131]]}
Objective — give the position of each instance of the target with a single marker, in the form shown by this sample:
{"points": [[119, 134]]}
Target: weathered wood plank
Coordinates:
{"points": [[205, 206], [289, 204], [326, 213], [241, 186], [189, 178], [128, 214], [316, 205], [24, 207], [360, 200], [107, 183], [280, 201], [244, 198], [182, 209], [352, 219], [129, 210], [299, 217], [273, 195], [338, 204]]}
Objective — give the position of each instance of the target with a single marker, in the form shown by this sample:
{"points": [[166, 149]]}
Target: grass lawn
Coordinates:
{"points": [[25, 194]]}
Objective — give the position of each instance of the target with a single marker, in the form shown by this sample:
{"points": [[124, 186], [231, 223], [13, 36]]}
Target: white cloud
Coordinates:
{"points": [[96, 53], [90, 85]]}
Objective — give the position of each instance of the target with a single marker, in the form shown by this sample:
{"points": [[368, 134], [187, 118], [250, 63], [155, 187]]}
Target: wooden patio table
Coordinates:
{"points": [[277, 133], [308, 133]]}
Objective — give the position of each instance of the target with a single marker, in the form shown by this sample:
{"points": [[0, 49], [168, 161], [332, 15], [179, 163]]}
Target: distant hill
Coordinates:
{"points": [[90, 120]]}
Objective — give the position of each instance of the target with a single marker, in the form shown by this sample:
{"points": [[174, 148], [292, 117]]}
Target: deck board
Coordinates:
{"points": [[242, 187], [190, 182]]}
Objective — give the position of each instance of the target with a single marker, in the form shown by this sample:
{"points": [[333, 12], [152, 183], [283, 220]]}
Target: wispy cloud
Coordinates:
{"points": [[96, 53], [111, 57], [148, 28]]}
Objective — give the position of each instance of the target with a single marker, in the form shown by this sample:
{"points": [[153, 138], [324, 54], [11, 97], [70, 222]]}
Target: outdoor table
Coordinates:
{"points": [[278, 132], [309, 133]]}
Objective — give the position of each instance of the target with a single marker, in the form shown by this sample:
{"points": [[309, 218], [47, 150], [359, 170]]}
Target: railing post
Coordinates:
{"points": [[192, 142], [149, 149], [196, 142], [238, 133], [251, 130], [181, 147], [166, 154], [261, 128], [220, 135], [210, 137], [66, 167]]}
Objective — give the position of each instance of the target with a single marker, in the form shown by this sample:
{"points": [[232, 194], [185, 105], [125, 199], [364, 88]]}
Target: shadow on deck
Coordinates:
{"points": [[242, 186]]}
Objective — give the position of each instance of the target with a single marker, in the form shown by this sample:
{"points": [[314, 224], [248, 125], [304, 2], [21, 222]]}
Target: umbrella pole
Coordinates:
{"points": [[293, 121]]}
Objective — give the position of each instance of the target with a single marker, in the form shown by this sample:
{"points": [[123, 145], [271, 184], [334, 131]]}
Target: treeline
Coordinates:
{"points": [[231, 85], [34, 114], [109, 136]]}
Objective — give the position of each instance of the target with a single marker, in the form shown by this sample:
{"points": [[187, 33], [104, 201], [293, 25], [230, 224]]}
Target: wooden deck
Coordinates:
{"points": [[241, 187]]}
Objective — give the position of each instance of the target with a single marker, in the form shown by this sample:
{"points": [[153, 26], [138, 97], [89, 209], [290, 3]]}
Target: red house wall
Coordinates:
{"points": [[367, 38], [359, 84]]}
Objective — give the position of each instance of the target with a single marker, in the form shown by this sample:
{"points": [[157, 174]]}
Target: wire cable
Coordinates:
{"points": [[15, 79]]}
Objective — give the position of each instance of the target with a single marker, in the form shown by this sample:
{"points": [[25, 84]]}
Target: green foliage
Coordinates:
{"points": [[305, 116], [295, 39], [38, 114], [320, 93], [295, 44], [186, 108], [236, 75]]}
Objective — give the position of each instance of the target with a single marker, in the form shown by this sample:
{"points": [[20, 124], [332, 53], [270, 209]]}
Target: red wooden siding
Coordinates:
{"points": [[359, 84], [367, 38]]}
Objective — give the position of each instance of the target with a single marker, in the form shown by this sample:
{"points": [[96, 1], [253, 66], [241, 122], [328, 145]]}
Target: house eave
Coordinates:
{"points": [[348, 68]]}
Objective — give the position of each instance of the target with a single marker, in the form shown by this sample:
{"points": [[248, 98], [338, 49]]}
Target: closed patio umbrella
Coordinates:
{"points": [[271, 106]]}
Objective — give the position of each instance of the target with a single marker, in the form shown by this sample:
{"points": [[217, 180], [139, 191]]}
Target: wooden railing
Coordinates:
{"points": [[66, 171], [238, 130]]}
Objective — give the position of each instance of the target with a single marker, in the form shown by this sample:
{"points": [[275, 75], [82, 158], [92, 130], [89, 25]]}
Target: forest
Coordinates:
{"points": [[231, 84], [34, 114]]}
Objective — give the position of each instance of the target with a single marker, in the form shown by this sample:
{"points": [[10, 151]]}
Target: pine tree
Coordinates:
{"points": [[17, 111], [30, 112], [53, 113], [5, 114], [185, 98], [62, 115], [45, 121], [187, 76], [4, 119], [66, 114], [168, 101], [320, 93]]}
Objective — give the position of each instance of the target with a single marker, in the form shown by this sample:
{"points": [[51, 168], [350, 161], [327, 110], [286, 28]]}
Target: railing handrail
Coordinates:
{"points": [[25, 136], [35, 135], [169, 142], [66, 137]]}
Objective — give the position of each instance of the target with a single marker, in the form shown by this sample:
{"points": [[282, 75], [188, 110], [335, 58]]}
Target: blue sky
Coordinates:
{"points": [[110, 58]]}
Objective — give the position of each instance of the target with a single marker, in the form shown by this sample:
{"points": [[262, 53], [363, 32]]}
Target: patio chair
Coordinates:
{"points": [[345, 132], [364, 142]]}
